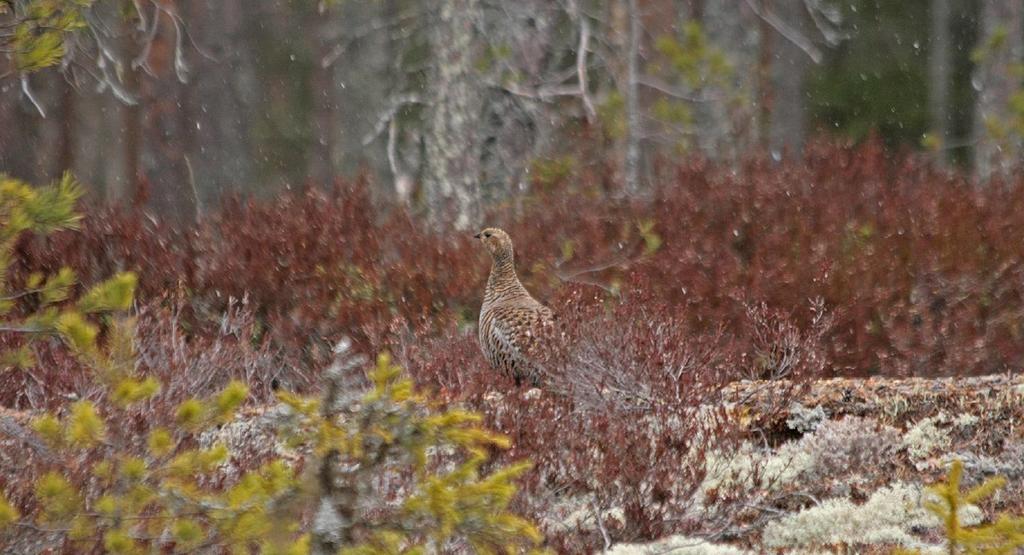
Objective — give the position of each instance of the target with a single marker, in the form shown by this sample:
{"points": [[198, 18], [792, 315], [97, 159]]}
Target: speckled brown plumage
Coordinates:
{"points": [[511, 321]]}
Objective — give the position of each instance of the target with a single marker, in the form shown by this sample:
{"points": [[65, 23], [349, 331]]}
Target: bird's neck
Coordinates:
{"points": [[503, 282]]}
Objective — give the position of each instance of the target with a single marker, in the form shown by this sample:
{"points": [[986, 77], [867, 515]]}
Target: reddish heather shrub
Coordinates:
{"points": [[620, 431], [847, 262], [919, 269], [187, 364]]}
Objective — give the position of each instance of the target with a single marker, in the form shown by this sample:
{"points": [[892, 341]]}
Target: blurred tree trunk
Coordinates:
{"points": [[940, 77], [170, 115], [634, 132], [508, 135], [66, 143], [787, 68], [224, 85], [764, 96], [539, 85], [19, 133], [453, 148], [1001, 46], [131, 123], [321, 31], [724, 130], [368, 72], [9, 155]]}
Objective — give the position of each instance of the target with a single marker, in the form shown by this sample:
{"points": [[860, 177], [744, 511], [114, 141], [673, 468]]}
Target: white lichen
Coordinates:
{"points": [[676, 545], [747, 468], [966, 420], [805, 420], [888, 517], [579, 512], [327, 522], [926, 438]]}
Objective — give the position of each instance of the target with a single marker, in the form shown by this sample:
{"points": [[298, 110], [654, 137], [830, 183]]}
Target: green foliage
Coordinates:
{"points": [[931, 142], [85, 427], [78, 332], [116, 293], [856, 92], [612, 115], [548, 173], [60, 499], [229, 400], [8, 514], [50, 429], [697, 62], [189, 413], [1008, 128], [167, 485], [691, 63], [44, 210], [40, 31], [674, 112], [990, 45], [652, 241], [129, 391], [1004, 535], [393, 423], [160, 442]]}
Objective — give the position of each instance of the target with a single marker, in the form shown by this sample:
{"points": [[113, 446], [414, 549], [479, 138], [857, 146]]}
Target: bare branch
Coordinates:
{"points": [[661, 86], [392, 148], [180, 65], [543, 93], [142, 15], [28, 94], [376, 25], [179, 25], [385, 117], [195, 191], [581, 68], [11, 428], [631, 163], [600, 526], [827, 19], [142, 60], [115, 87], [403, 180], [787, 32]]}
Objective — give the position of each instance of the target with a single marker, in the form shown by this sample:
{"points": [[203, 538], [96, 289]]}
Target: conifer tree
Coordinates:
{"points": [[40, 30]]}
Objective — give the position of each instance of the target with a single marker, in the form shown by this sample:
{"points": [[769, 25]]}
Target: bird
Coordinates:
{"points": [[511, 320]]}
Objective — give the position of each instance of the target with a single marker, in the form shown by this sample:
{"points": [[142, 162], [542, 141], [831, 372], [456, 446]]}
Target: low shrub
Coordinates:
{"points": [[113, 469]]}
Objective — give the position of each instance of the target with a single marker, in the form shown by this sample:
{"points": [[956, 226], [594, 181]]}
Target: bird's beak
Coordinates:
{"points": [[477, 236]]}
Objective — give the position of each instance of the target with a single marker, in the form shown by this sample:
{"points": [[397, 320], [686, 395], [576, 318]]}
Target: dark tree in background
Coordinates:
{"points": [[997, 78], [453, 149], [939, 72], [454, 105]]}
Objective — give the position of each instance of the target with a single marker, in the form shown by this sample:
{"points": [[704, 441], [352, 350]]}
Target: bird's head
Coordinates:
{"points": [[496, 241]]}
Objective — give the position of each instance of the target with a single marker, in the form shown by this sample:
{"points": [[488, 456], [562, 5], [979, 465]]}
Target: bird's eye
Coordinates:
{"points": [[488, 234]]}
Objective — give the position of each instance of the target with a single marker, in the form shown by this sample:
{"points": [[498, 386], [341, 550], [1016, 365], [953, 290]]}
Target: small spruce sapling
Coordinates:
{"points": [[432, 455], [1004, 535]]}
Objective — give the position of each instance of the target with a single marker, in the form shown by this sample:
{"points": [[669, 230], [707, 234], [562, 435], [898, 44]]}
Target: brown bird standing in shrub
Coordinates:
{"points": [[511, 321]]}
